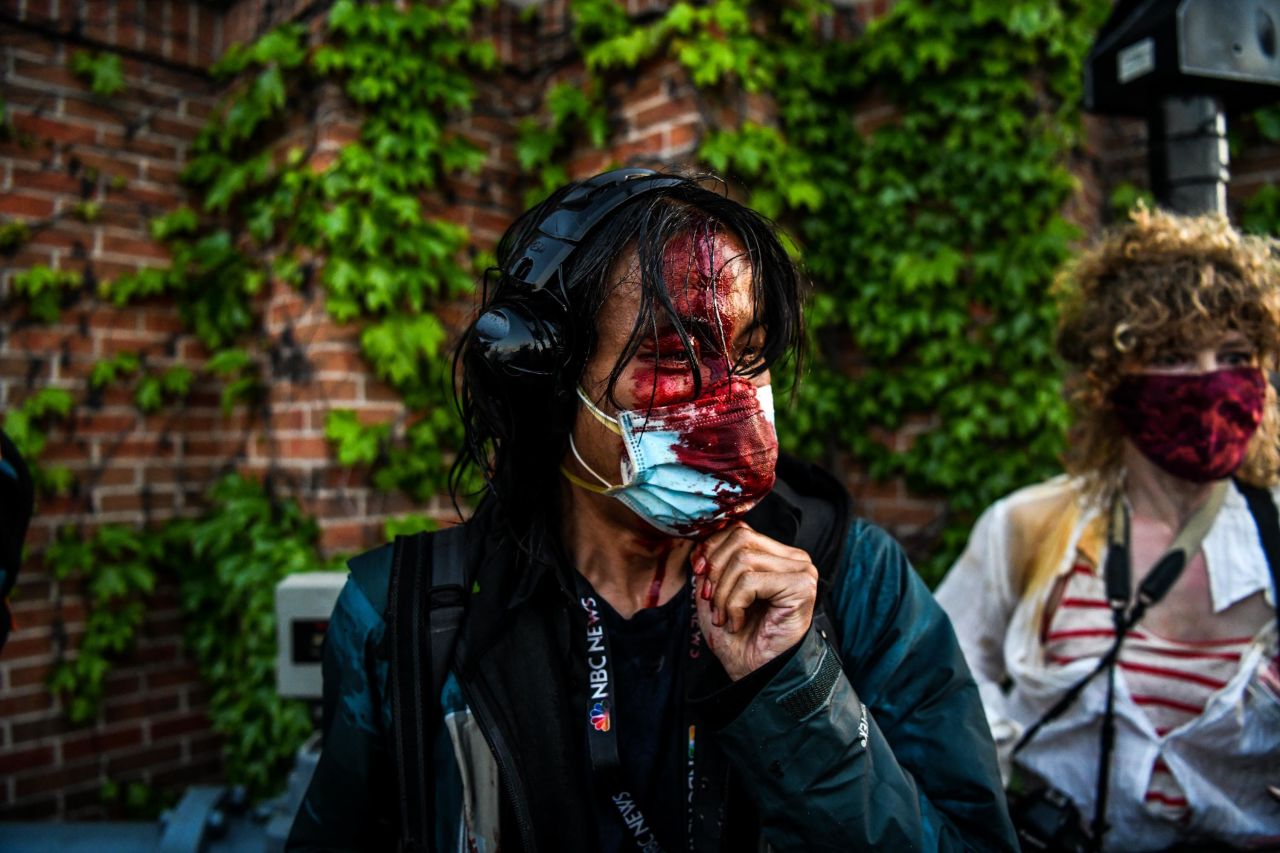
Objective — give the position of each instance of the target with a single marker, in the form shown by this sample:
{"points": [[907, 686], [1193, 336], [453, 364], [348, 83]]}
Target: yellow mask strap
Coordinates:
{"points": [[605, 486], [609, 422]]}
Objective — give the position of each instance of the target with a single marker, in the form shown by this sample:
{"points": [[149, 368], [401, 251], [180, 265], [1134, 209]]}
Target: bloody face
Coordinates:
{"points": [[708, 279]]}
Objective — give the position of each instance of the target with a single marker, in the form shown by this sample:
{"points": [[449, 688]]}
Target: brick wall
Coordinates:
{"points": [[125, 154]]}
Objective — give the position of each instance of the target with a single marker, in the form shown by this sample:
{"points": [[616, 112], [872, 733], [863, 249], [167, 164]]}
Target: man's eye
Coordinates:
{"points": [[678, 355]]}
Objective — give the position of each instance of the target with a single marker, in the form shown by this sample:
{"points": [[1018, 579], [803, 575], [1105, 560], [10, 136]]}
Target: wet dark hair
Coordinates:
{"points": [[517, 430]]}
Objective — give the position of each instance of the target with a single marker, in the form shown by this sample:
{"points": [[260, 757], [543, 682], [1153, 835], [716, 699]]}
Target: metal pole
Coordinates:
{"points": [[1189, 159]]}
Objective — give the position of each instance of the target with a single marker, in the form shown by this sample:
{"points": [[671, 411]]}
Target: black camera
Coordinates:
{"points": [[1047, 820]]}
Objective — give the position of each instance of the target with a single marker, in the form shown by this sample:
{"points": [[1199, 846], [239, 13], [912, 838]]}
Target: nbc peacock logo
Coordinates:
{"points": [[600, 717]]}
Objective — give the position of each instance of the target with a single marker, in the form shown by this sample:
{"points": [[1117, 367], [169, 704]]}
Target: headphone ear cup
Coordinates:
{"points": [[513, 341]]}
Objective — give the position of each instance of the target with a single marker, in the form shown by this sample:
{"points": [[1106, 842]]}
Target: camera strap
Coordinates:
{"points": [[1118, 578], [707, 772]]}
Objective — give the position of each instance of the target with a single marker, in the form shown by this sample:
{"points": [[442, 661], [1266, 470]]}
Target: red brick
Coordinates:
{"points": [[99, 743], [39, 614], [121, 684], [157, 653], [49, 129], [54, 779], [140, 708], [186, 673], [684, 136], [15, 761], [46, 71], [141, 448], [293, 447], [86, 109], [218, 448], [52, 724], [26, 676], [165, 321], [347, 536], [20, 204], [170, 125], [148, 249], [663, 112], [141, 758], [341, 361], [180, 725], [24, 643], [120, 503], [50, 180], [11, 706], [90, 422]]}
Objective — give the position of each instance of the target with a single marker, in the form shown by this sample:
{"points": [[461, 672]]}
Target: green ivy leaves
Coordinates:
{"points": [[104, 71]]}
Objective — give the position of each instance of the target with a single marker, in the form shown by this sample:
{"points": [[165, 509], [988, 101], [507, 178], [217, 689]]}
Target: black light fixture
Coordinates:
{"points": [[1183, 64]]}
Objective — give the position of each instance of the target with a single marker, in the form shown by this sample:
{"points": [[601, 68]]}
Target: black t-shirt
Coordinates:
{"points": [[646, 652]]}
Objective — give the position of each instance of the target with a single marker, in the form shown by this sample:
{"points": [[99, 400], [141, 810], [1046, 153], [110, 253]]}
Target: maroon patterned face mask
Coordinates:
{"points": [[1194, 425]]}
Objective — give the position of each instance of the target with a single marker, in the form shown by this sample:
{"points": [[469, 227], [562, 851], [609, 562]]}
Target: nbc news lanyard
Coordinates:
{"points": [[704, 801]]}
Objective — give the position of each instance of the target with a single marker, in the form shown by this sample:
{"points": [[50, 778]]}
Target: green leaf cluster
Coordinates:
{"points": [[228, 563], [27, 426], [103, 71], [47, 290], [115, 568]]}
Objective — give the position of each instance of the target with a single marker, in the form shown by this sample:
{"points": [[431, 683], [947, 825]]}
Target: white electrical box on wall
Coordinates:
{"points": [[304, 603]]}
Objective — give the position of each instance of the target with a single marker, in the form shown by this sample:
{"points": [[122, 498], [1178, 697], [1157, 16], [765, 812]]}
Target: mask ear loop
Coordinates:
{"points": [[610, 423], [608, 488]]}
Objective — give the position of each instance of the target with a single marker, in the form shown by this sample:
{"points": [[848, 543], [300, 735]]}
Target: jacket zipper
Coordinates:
{"points": [[506, 770]]}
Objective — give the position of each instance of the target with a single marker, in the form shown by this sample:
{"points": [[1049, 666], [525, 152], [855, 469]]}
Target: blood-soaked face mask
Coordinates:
{"points": [[1196, 426], [692, 468]]}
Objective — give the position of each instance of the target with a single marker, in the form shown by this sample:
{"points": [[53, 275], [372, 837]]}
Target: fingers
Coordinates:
{"points": [[795, 590], [723, 557]]}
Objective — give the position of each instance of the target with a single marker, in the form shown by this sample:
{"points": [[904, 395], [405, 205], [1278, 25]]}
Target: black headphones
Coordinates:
{"points": [[522, 334]]}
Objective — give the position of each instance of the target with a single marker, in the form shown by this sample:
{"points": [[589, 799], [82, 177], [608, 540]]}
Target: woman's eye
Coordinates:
{"points": [[1236, 358], [1170, 359]]}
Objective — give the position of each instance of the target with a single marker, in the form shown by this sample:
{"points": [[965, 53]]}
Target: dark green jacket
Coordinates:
{"points": [[890, 753]]}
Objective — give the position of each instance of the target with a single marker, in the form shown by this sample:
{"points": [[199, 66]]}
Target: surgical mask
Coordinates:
{"points": [[691, 468], [1196, 426]]}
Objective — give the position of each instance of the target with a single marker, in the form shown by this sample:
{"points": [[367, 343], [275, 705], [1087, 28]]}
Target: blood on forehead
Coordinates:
{"points": [[700, 268]]}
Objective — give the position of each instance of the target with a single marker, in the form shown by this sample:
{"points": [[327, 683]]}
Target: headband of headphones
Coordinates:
{"points": [[515, 337]]}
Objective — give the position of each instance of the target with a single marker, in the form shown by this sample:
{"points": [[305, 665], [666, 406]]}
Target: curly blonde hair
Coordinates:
{"points": [[1163, 285]]}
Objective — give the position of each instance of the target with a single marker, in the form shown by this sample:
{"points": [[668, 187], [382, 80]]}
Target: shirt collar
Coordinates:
{"points": [[1233, 552]]}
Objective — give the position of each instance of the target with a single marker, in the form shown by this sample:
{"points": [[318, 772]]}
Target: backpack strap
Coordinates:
{"points": [[405, 629], [446, 600], [1265, 515], [436, 585]]}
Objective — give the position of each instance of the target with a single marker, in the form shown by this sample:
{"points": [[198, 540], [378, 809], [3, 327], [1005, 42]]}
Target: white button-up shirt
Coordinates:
{"points": [[1223, 760]]}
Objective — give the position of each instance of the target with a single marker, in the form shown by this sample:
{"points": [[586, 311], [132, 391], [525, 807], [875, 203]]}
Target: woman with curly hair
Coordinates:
{"points": [[1120, 619]]}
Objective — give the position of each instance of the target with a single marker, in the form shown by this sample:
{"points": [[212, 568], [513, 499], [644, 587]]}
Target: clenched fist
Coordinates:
{"points": [[755, 597]]}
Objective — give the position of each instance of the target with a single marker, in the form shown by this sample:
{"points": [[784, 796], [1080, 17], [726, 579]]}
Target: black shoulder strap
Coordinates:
{"points": [[439, 583], [405, 627], [446, 600], [1263, 509]]}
